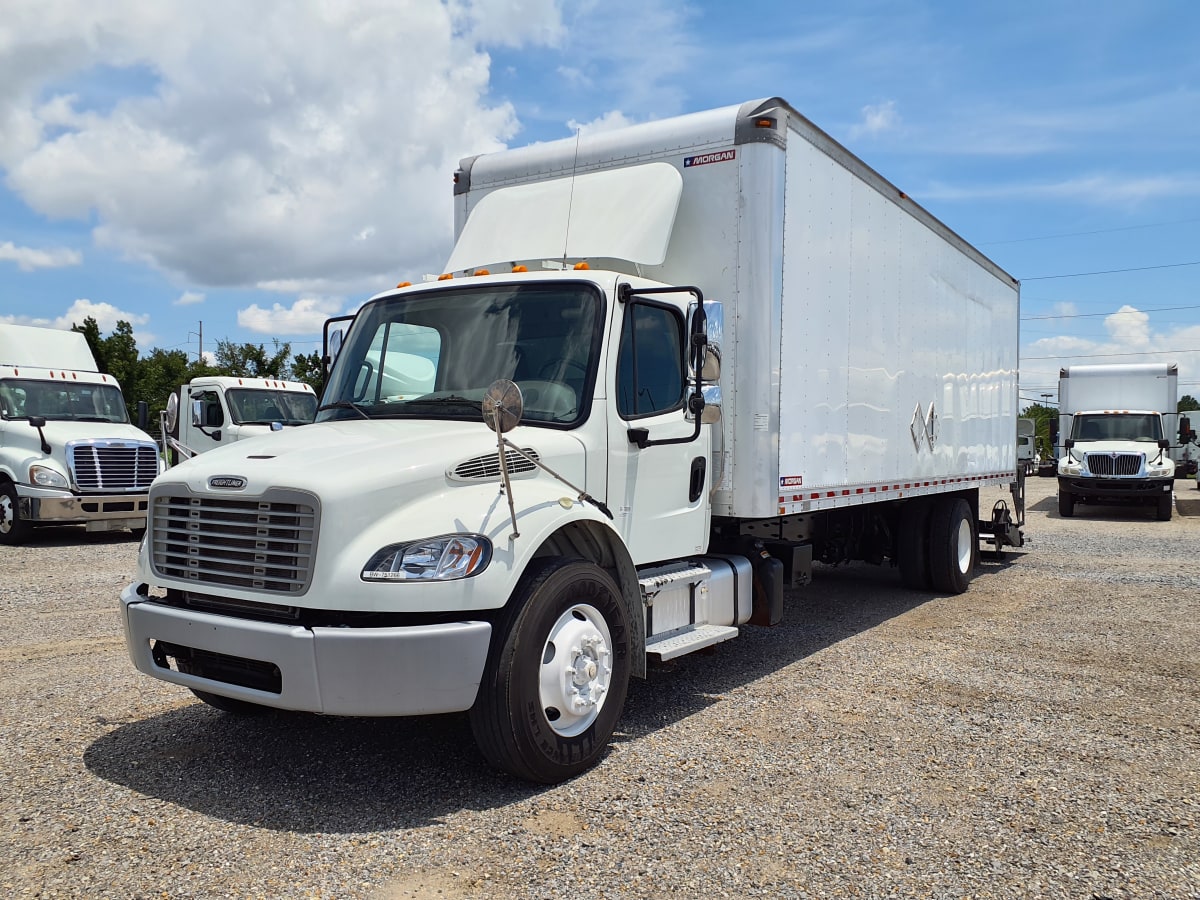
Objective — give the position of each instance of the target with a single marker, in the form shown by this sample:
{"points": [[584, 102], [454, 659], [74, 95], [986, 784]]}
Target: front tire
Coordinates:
{"points": [[953, 545], [13, 529], [555, 683], [1066, 504], [1164, 508]]}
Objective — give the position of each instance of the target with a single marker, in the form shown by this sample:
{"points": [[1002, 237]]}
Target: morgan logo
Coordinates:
{"points": [[227, 482], [706, 158]]}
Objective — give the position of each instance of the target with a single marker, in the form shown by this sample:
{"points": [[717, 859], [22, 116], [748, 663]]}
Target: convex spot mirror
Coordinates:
{"points": [[503, 406]]}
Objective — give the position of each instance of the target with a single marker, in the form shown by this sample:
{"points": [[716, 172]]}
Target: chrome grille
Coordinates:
{"points": [[107, 466], [486, 467], [261, 544], [1114, 464]]}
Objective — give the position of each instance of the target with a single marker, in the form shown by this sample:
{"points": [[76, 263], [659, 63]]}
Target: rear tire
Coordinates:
{"points": [[953, 545], [557, 675], [13, 529], [1066, 504], [912, 545], [1164, 507]]}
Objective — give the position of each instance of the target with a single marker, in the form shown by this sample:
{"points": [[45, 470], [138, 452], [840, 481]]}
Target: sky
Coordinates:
{"points": [[242, 171]]}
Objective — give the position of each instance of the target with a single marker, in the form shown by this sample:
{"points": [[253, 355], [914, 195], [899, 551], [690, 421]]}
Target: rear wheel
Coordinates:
{"points": [[555, 685], [1164, 507], [912, 545], [953, 545], [1066, 504], [13, 529]]}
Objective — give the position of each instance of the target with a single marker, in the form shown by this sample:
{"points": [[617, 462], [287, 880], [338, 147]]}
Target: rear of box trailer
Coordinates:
{"points": [[868, 351]]}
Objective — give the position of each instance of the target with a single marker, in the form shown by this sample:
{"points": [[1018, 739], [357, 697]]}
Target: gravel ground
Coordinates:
{"points": [[1034, 737]]}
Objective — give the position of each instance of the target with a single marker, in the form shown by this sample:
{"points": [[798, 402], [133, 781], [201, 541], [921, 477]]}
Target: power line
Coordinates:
{"points": [[1095, 315], [1047, 237], [1106, 355], [1110, 271]]}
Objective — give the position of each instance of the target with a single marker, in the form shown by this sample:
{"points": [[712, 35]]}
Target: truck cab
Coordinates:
{"points": [[68, 452], [213, 411], [1116, 456]]}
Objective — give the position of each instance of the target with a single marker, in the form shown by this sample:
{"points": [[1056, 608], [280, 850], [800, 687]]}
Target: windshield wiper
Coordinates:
{"points": [[344, 404], [448, 399]]}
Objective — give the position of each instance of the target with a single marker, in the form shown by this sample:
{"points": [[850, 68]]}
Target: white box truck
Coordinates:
{"points": [[1116, 422], [667, 369], [68, 453], [214, 410]]}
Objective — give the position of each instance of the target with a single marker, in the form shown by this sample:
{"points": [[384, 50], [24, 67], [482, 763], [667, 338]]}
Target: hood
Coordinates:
{"points": [[349, 459], [59, 433]]}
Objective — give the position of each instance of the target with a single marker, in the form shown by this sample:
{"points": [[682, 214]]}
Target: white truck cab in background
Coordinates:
{"points": [[1115, 423], [667, 371], [68, 453], [213, 410], [1026, 446]]}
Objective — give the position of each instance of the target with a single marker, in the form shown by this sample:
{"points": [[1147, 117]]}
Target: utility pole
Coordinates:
{"points": [[199, 343]]}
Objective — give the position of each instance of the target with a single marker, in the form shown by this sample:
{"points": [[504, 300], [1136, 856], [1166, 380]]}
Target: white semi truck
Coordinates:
{"points": [[1026, 446], [668, 369], [1116, 422], [214, 410], [68, 453]]}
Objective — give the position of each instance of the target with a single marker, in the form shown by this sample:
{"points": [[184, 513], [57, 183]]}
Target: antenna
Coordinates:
{"points": [[571, 195]]}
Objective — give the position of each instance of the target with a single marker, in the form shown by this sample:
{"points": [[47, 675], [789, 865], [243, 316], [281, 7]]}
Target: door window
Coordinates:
{"points": [[650, 361]]}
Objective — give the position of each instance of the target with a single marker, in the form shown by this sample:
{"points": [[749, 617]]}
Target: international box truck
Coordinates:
{"points": [[1116, 422], [68, 452], [213, 410], [666, 371]]}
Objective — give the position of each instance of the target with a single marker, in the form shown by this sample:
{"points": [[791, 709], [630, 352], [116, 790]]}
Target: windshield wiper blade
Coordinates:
{"points": [[448, 399], [345, 404]]}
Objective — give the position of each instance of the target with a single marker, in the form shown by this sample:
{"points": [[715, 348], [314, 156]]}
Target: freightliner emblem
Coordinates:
{"points": [[227, 482]]}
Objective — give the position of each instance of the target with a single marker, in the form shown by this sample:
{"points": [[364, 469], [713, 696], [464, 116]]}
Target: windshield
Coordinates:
{"points": [[62, 401], [432, 355], [1122, 427], [249, 406]]}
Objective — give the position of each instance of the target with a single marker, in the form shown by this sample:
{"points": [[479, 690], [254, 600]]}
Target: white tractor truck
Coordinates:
{"points": [[667, 371], [215, 410], [68, 452]]}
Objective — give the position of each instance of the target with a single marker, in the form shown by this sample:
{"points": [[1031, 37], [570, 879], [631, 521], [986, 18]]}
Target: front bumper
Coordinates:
{"points": [[398, 671], [98, 511], [1115, 488]]}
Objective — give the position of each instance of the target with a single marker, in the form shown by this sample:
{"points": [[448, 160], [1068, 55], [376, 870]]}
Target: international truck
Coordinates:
{"points": [[666, 372], [213, 410], [68, 452], [1116, 422]]}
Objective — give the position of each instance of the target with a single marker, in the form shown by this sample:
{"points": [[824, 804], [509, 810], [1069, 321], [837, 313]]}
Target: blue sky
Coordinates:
{"points": [[258, 167]]}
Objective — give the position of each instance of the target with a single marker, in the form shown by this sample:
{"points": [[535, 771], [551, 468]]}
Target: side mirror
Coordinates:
{"points": [[1185, 429], [1165, 444], [1068, 444], [710, 369], [197, 414]]}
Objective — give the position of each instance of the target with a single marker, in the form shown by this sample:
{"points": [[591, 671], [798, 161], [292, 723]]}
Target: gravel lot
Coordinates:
{"points": [[1035, 737]]}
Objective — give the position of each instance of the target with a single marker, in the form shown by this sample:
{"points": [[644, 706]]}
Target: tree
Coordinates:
{"points": [[1187, 403], [307, 367], [252, 361]]}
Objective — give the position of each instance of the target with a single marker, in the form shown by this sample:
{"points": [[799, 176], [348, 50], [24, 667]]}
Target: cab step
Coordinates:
{"points": [[686, 640]]}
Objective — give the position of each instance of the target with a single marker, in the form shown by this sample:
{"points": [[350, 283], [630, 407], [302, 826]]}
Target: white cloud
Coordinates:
{"points": [[189, 298], [243, 158], [1129, 327], [610, 121], [106, 315], [305, 316], [876, 120], [29, 259]]}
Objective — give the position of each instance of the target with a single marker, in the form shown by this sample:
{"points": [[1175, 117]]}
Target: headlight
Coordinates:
{"points": [[47, 477], [442, 558]]}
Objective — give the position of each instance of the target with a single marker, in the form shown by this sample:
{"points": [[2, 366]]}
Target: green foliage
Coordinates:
{"points": [[1187, 403], [307, 367], [252, 360]]}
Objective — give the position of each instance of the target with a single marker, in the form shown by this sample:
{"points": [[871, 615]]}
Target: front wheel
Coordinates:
{"points": [[1164, 507], [1066, 504], [13, 529], [555, 685]]}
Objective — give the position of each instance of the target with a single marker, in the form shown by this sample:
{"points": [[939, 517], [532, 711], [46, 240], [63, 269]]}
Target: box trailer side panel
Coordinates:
{"points": [[898, 356]]}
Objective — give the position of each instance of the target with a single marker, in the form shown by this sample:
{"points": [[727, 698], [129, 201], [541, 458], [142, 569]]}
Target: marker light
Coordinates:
{"points": [[446, 277], [482, 272], [404, 284], [580, 266], [520, 268]]}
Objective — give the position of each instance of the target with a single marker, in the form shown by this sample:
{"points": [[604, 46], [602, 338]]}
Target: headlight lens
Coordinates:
{"points": [[47, 477], [442, 558]]}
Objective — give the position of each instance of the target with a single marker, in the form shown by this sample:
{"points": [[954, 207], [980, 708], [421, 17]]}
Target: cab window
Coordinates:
{"points": [[650, 361]]}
